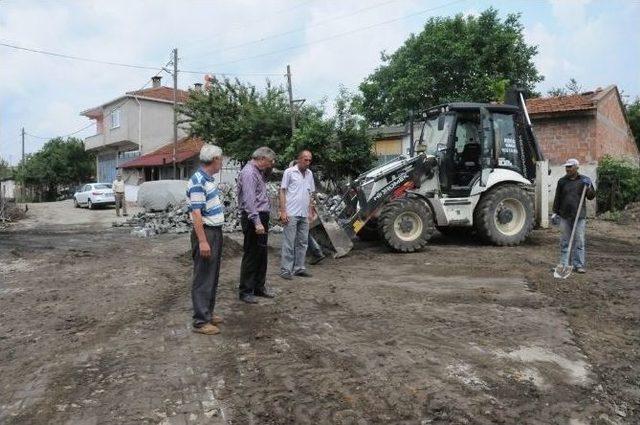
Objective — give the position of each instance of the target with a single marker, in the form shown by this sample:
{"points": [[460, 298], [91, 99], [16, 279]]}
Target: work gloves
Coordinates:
{"points": [[555, 219], [585, 180]]}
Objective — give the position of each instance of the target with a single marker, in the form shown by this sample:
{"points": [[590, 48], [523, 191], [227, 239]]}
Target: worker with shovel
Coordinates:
{"points": [[570, 212]]}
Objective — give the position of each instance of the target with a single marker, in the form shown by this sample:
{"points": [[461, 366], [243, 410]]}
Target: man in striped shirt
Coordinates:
{"points": [[206, 239]]}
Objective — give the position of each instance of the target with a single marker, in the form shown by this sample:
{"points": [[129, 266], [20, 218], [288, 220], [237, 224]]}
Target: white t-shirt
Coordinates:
{"points": [[299, 188], [118, 186]]}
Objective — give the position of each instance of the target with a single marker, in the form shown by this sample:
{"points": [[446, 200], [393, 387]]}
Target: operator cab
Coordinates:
{"points": [[468, 138]]}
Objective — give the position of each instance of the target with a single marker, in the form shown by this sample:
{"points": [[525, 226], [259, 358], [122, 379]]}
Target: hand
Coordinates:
{"points": [[260, 229], [284, 218], [555, 219], [585, 180], [312, 215], [205, 249]]}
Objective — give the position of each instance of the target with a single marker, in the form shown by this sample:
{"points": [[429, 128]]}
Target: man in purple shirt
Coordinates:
{"points": [[253, 203]]}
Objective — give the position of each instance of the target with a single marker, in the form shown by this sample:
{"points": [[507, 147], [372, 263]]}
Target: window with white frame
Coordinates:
{"points": [[115, 118]]}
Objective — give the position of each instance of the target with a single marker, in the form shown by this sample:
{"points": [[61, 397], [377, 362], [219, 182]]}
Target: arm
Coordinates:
{"points": [[283, 197], [283, 206], [312, 199], [248, 195], [197, 201], [556, 199], [198, 226]]}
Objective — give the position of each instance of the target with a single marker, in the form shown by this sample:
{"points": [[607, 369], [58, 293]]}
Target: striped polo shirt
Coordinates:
{"points": [[203, 195]]}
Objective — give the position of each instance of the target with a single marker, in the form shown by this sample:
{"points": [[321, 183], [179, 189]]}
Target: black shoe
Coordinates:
{"points": [[265, 293], [286, 276], [249, 299], [303, 273], [317, 260]]}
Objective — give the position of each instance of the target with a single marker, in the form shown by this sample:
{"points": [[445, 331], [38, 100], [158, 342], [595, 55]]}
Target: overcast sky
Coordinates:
{"points": [[327, 42]]}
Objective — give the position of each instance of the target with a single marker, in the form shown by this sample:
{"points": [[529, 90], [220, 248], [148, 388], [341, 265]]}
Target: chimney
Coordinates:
{"points": [[197, 87], [156, 81]]}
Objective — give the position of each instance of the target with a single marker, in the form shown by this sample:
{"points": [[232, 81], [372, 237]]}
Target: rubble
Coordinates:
{"points": [[176, 219]]}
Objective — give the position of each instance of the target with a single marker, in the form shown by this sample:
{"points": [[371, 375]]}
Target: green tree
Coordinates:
{"points": [[5, 169], [238, 118], [452, 59], [572, 87], [340, 144], [60, 163], [633, 115]]}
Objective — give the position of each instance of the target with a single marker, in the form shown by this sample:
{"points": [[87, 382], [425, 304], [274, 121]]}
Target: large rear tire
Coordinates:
{"points": [[406, 224], [504, 215]]}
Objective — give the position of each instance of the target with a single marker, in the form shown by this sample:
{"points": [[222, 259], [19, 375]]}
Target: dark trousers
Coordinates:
{"points": [[205, 275], [253, 270]]}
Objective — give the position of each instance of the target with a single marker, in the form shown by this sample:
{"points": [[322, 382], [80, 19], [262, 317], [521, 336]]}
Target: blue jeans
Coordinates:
{"points": [[314, 247], [294, 245], [578, 255]]}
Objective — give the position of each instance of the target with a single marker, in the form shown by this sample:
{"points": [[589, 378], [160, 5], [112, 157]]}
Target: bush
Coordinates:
{"points": [[618, 183]]}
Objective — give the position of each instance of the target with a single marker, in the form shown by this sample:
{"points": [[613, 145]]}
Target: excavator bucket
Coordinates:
{"points": [[330, 234]]}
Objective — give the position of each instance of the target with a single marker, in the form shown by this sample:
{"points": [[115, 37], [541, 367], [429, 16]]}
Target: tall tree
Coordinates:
{"points": [[5, 170], [463, 58], [58, 164], [340, 145], [238, 117]]}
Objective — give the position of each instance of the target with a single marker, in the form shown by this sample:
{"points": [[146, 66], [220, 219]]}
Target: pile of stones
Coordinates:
{"points": [[178, 220]]}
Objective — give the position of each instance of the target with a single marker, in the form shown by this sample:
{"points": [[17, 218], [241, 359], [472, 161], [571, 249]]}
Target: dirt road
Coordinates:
{"points": [[95, 330]]}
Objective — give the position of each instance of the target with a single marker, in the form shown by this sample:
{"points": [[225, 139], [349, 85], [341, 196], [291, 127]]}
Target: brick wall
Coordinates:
{"points": [[566, 137], [613, 135]]}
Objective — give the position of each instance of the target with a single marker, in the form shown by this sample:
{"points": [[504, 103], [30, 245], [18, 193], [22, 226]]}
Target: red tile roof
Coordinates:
{"points": [[563, 104], [186, 148], [161, 93]]}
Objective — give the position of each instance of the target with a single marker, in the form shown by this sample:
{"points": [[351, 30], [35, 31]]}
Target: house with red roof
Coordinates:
{"points": [[585, 126], [134, 124]]}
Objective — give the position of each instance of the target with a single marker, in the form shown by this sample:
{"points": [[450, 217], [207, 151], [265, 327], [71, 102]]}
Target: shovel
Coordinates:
{"points": [[563, 272]]}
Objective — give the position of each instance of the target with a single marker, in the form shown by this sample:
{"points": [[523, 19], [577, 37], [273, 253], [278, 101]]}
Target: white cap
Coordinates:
{"points": [[571, 162]]}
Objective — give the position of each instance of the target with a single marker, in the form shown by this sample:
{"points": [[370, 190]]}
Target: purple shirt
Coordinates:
{"points": [[252, 192]]}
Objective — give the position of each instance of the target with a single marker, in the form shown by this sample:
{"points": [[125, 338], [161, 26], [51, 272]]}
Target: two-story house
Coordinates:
{"points": [[131, 125]]}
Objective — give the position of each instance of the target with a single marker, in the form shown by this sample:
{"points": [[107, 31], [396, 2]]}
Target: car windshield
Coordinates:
{"points": [[102, 186], [432, 137]]}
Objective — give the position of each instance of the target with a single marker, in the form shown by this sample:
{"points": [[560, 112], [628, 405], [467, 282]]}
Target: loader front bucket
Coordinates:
{"points": [[328, 232]]}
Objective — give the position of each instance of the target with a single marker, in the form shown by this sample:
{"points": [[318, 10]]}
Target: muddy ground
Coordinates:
{"points": [[94, 329]]}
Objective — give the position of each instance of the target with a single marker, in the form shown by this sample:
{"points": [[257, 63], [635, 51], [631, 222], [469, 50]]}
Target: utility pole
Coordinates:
{"points": [[22, 146], [290, 89], [175, 111]]}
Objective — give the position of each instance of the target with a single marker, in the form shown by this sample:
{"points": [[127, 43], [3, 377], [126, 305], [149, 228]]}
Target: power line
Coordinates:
{"points": [[317, 24], [246, 23], [342, 34], [126, 65], [78, 58], [128, 99]]}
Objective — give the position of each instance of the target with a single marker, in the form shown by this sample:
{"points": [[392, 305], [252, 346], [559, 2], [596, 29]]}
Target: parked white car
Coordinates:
{"points": [[94, 194]]}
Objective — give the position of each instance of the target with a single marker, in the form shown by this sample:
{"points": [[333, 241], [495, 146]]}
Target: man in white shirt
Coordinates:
{"points": [[118, 192], [296, 209]]}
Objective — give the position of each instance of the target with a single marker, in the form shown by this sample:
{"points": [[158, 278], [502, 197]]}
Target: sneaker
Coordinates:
{"points": [[249, 299], [580, 270], [286, 276], [317, 260], [303, 273], [216, 320], [207, 329], [265, 293]]}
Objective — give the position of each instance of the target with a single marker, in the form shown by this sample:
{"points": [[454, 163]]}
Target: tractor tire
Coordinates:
{"points": [[406, 224], [504, 215], [370, 232]]}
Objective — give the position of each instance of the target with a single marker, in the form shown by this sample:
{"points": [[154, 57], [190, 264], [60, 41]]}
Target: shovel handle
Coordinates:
{"points": [[575, 222]]}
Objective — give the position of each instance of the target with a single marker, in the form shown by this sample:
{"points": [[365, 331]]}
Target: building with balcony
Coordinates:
{"points": [[137, 123]]}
